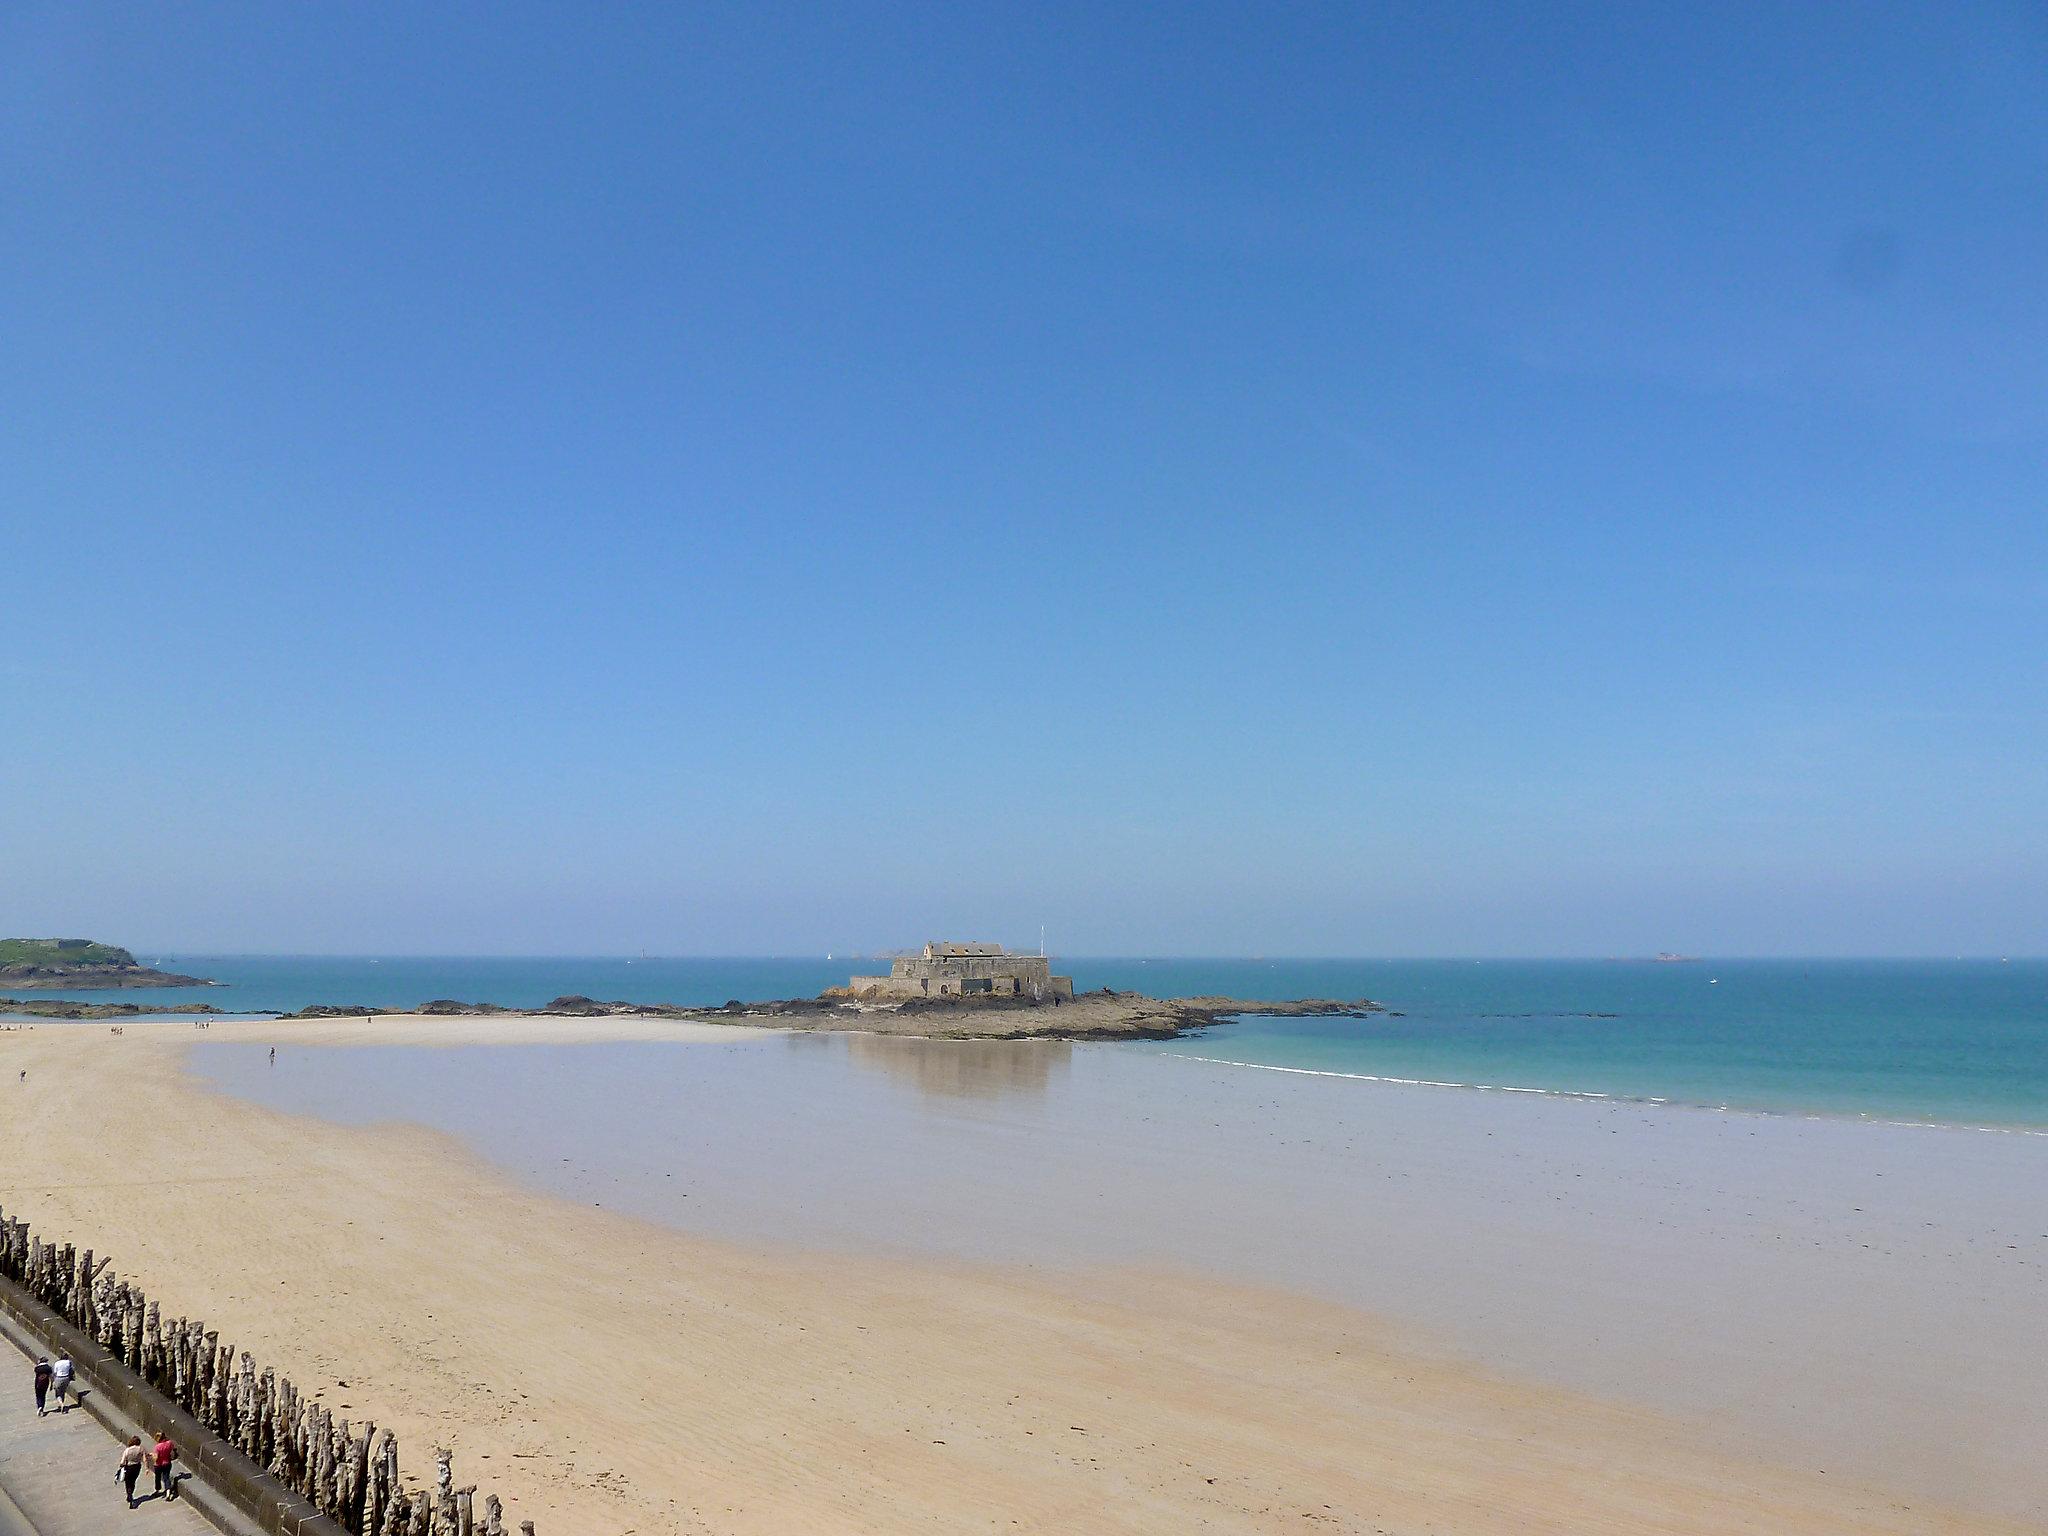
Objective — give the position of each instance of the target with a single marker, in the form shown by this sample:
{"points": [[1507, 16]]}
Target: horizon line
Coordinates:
{"points": [[1267, 958]]}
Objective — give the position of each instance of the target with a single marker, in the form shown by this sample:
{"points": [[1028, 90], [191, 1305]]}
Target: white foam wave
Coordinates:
{"points": [[1591, 1095]]}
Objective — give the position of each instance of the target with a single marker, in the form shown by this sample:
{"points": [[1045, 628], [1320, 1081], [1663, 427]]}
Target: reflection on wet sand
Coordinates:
{"points": [[965, 1069]]}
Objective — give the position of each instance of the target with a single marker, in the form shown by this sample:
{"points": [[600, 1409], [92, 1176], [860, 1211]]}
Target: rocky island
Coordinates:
{"points": [[78, 963], [1104, 1015], [948, 991]]}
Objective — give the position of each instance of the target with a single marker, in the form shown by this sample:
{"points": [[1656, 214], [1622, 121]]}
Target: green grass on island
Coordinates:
{"points": [[62, 953]]}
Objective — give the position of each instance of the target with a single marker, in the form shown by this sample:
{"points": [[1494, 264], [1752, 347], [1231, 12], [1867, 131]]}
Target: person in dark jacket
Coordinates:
{"points": [[42, 1384]]}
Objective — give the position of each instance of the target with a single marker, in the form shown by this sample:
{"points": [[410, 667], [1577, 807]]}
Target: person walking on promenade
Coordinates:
{"points": [[60, 1382], [161, 1455], [132, 1458], [42, 1383]]}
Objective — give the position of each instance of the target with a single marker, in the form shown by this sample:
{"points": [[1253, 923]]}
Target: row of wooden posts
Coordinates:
{"points": [[349, 1473]]}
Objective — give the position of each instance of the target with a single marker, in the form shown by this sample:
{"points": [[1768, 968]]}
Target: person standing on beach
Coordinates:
{"points": [[42, 1383], [161, 1455], [60, 1382], [132, 1457]]}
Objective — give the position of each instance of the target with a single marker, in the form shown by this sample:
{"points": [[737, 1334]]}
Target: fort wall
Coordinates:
{"points": [[964, 970]]}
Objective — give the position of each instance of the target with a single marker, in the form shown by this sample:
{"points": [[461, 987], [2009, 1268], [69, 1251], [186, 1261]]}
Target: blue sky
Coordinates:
{"points": [[1433, 479]]}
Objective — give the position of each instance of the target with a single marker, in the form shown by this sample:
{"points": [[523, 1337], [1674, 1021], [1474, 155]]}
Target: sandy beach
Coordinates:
{"points": [[607, 1374]]}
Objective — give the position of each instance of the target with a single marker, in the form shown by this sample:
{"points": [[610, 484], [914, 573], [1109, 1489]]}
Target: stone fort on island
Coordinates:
{"points": [[964, 970]]}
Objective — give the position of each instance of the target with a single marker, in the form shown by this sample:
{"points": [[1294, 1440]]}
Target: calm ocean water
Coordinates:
{"points": [[1954, 1041]]}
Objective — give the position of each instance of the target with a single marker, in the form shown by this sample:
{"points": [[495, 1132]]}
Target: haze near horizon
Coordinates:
{"points": [[1432, 481]]}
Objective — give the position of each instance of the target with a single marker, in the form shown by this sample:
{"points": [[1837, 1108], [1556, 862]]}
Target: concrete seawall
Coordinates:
{"points": [[224, 1485], [273, 1451]]}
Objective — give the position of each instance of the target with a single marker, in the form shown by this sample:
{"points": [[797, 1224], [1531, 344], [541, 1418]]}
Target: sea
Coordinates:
{"points": [[1952, 1042]]}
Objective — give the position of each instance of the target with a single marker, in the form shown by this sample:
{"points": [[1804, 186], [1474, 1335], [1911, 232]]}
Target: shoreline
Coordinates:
{"points": [[1685, 1263], [474, 1026], [1592, 1095], [854, 1393], [1094, 1016]]}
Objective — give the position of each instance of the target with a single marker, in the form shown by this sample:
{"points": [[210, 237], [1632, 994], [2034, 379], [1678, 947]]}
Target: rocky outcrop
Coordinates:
{"points": [[94, 976], [1298, 1007], [80, 963], [578, 1006], [1103, 1015], [65, 1008]]}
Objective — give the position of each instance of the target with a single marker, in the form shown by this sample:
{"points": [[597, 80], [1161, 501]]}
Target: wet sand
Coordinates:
{"points": [[609, 1373]]}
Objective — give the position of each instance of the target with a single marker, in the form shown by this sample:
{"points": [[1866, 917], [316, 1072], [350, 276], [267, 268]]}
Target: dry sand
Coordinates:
{"points": [[605, 1375]]}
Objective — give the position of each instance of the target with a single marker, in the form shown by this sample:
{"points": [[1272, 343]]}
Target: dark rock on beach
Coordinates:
{"points": [[1104, 1015], [66, 1008]]}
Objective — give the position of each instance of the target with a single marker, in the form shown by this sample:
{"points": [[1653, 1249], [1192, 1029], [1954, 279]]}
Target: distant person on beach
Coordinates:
{"points": [[161, 1455], [60, 1382], [132, 1458], [42, 1383], [273, 1055]]}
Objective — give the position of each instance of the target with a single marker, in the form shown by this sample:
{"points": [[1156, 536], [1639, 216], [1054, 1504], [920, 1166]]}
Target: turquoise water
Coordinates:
{"points": [[1952, 1041], [1955, 1041]]}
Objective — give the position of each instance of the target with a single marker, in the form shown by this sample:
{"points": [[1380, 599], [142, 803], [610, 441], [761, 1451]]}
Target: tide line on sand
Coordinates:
{"points": [[1407, 1082], [1593, 1095]]}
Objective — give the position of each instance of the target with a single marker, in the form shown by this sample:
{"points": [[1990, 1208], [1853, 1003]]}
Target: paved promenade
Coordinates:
{"points": [[58, 1472]]}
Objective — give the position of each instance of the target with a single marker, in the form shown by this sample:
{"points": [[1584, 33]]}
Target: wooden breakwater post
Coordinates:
{"points": [[350, 1474]]}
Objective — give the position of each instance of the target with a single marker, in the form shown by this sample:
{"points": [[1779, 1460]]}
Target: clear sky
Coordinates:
{"points": [[1394, 479]]}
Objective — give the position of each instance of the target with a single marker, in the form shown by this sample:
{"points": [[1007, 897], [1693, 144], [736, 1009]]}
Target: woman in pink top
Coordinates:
{"points": [[160, 1458]]}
